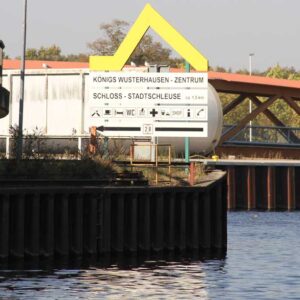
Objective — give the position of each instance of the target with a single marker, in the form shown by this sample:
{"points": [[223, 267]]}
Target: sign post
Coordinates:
{"points": [[19, 149], [187, 139]]}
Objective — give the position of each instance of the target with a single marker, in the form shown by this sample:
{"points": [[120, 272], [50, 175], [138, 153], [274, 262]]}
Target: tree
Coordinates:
{"points": [[148, 50], [44, 53], [53, 53], [283, 73], [81, 57]]}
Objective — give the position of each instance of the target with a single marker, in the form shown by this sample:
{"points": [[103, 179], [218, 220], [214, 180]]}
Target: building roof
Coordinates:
{"points": [[15, 64], [223, 82]]}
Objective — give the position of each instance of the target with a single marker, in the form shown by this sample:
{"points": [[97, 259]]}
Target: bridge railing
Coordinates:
{"points": [[265, 135]]}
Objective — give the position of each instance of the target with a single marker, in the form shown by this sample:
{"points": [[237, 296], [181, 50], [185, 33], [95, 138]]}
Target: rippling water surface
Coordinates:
{"points": [[262, 262]]}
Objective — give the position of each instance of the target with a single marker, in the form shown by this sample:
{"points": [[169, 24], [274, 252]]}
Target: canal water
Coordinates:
{"points": [[262, 262]]}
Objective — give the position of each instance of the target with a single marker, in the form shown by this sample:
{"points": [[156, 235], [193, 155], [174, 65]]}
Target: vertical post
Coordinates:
{"points": [[10, 108], [156, 155], [131, 153], [2, 46], [206, 221], [76, 219], [169, 167], [106, 224], [251, 191], [193, 242], [90, 202], [291, 188], [47, 225], [93, 140], [187, 139], [105, 147], [22, 84], [192, 173], [156, 163], [158, 222], [144, 222], [7, 148], [79, 145], [45, 66], [118, 226], [231, 188], [153, 142], [4, 225], [17, 231], [131, 219], [250, 102], [82, 102], [271, 188], [32, 228]]}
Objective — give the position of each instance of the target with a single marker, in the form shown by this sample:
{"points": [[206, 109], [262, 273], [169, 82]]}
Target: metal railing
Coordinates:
{"points": [[53, 143], [265, 135]]}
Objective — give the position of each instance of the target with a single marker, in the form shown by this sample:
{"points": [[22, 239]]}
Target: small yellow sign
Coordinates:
{"points": [[149, 17]]}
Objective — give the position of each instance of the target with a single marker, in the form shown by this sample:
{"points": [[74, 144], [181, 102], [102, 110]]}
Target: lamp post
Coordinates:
{"points": [[250, 102], [22, 84]]}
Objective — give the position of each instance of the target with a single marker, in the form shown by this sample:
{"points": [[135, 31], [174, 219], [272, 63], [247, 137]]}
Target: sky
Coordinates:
{"points": [[224, 31]]}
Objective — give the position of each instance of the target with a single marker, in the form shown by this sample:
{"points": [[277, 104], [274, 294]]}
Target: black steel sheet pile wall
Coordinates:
{"points": [[263, 187], [93, 221]]}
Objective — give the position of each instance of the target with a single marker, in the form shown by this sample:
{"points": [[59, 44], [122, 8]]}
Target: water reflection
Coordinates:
{"points": [[122, 261], [154, 277], [262, 262]]}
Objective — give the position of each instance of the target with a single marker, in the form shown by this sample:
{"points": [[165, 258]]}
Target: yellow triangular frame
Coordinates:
{"points": [[149, 17]]}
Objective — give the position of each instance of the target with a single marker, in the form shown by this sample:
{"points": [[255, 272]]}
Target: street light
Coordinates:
{"points": [[22, 84], [250, 102]]}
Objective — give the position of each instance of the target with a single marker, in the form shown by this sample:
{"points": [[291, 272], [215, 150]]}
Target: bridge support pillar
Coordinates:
{"points": [[271, 188], [251, 190], [231, 194], [291, 188]]}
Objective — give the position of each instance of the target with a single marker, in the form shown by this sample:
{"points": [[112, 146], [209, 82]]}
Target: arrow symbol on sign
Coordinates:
{"points": [[102, 128]]}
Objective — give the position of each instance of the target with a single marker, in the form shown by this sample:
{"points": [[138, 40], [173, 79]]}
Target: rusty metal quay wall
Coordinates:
{"points": [[80, 221], [262, 185]]}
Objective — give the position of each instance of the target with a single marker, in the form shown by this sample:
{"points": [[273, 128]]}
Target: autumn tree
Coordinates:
{"points": [[148, 50]]}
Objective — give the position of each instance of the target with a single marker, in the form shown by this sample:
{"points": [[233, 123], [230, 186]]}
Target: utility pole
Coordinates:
{"points": [[22, 85], [250, 102]]}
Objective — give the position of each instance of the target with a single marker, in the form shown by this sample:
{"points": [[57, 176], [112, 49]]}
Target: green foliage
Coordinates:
{"points": [[219, 69], [81, 57], [148, 50], [57, 169], [53, 53], [282, 73], [279, 108], [44, 53]]}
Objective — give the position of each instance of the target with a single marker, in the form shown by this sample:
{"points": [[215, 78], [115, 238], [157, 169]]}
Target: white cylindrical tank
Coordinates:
{"points": [[203, 145]]}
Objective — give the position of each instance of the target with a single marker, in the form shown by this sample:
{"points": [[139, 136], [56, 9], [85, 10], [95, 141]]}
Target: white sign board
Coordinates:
{"points": [[149, 104]]}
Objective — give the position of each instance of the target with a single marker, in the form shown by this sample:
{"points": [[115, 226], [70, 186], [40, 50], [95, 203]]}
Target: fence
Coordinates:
{"points": [[270, 135]]}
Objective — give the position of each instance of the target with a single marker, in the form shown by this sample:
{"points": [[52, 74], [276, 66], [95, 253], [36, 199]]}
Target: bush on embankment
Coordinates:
{"points": [[56, 169]]}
